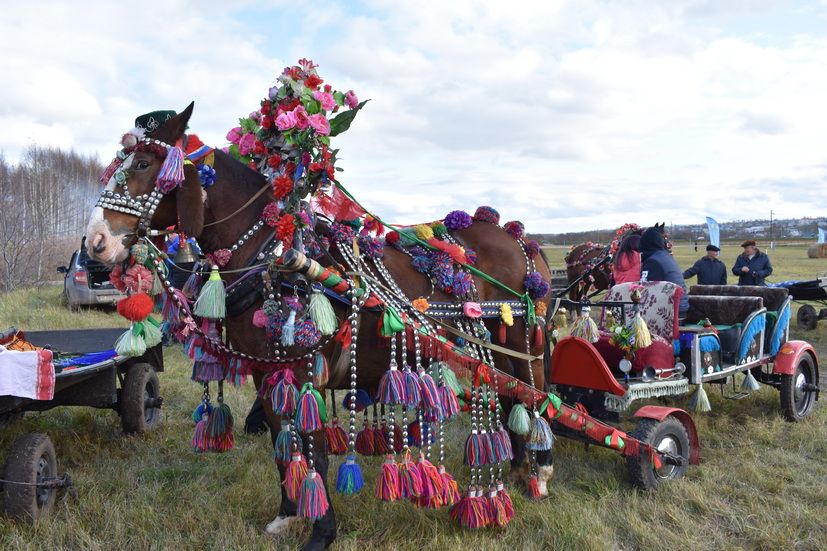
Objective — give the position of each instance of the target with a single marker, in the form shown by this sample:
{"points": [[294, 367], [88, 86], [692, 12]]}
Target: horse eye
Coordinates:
{"points": [[142, 165]]}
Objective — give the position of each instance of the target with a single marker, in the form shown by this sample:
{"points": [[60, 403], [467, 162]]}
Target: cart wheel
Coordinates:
{"points": [[31, 459], [140, 400], [668, 435], [807, 318], [797, 398]]}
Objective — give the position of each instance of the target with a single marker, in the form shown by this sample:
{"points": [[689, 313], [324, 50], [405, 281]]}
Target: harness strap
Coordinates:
{"points": [[242, 207]]}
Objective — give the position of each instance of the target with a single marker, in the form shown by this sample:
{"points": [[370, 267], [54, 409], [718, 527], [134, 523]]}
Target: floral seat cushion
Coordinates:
{"points": [[658, 306]]}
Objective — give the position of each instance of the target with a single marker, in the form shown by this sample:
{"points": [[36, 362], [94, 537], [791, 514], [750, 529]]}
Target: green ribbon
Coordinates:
{"points": [[391, 322], [554, 400]]}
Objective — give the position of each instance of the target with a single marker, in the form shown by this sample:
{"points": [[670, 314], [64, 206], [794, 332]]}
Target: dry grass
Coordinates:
{"points": [[761, 484]]}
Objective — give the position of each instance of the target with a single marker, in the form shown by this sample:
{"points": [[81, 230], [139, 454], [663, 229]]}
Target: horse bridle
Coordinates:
{"points": [[143, 207]]}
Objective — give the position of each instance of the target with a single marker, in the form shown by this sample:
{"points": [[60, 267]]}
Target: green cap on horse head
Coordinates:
{"points": [[153, 120]]}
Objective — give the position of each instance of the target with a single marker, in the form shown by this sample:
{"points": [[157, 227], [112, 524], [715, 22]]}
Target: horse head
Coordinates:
{"points": [[135, 199]]}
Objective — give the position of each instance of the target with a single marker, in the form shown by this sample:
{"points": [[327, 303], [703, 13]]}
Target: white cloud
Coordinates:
{"points": [[568, 115]]}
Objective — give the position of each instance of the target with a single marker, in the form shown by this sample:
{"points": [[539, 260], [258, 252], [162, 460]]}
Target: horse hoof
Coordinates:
{"points": [[279, 525], [544, 476]]}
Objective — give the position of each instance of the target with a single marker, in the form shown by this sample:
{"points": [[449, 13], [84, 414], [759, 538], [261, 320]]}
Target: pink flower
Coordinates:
{"points": [[246, 143], [351, 100], [327, 101], [234, 135], [286, 121], [301, 117], [320, 124]]}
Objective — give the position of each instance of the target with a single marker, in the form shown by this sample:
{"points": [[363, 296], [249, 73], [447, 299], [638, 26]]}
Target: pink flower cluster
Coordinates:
{"points": [[300, 120]]}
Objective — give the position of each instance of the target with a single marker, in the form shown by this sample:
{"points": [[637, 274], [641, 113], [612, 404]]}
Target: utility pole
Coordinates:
{"points": [[771, 242]]}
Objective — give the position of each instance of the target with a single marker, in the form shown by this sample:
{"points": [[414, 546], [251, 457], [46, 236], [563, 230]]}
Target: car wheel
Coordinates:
{"points": [[669, 436], [797, 396]]}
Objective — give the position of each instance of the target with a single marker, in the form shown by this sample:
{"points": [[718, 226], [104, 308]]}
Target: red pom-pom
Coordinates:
{"points": [[136, 307], [392, 238]]}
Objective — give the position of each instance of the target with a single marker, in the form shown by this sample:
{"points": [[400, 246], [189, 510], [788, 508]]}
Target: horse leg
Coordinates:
{"points": [[287, 510], [324, 529]]}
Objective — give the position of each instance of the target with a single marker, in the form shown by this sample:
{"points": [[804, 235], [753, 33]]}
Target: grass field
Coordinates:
{"points": [[762, 483]]}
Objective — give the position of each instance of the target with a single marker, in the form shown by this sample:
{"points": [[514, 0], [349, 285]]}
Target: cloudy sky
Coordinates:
{"points": [[566, 115]]}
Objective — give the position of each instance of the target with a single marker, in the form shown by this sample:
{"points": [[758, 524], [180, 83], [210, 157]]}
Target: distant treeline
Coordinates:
{"points": [[798, 229], [45, 201]]}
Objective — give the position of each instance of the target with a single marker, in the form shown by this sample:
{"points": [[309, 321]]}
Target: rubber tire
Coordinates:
{"points": [[22, 463], [788, 406], [806, 318], [653, 431], [140, 378]]}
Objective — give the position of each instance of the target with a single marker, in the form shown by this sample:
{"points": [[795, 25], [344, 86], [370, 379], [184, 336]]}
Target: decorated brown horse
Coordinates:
{"points": [[315, 298], [589, 265]]}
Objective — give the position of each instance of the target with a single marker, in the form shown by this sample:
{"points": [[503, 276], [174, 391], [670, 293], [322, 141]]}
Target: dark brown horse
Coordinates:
{"points": [[218, 216], [588, 263]]}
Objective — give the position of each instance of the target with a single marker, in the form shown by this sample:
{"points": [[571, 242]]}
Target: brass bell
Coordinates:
{"points": [[185, 253]]}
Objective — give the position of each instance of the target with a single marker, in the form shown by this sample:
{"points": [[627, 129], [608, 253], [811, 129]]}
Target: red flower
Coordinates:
{"points": [[290, 167], [274, 161], [313, 82], [289, 105], [259, 149], [294, 72], [316, 167], [282, 186], [266, 122], [285, 229], [328, 88], [265, 107], [270, 214]]}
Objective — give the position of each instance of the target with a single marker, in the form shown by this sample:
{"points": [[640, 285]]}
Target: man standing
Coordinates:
{"points": [[752, 266], [709, 269]]}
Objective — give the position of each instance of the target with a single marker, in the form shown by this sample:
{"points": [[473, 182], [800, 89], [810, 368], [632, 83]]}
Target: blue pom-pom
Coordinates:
{"points": [[363, 400]]}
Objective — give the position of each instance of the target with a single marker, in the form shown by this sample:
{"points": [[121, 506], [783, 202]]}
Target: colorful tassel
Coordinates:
{"points": [[200, 439], [585, 328], [412, 396], [410, 483], [470, 511], [450, 488], [497, 514], [321, 312], [336, 438], [171, 174], [506, 499], [501, 446], [541, 438], [431, 482], [365, 441], [429, 393], [349, 480], [192, 287], [519, 421], [533, 487], [285, 395], [311, 412], [449, 378], [313, 503], [212, 301], [387, 487], [392, 388], [449, 403], [284, 445], [294, 476], [220, 428], [321, 373], [202, 409], [478, 449]]}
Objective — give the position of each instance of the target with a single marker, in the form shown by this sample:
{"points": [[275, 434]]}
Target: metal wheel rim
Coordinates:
{"points": [[669, 444], [801, 398], [44, 471]]}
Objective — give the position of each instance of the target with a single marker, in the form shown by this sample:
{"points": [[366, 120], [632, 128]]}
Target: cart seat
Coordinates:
{"points": [[722, 310], [773, 297]]}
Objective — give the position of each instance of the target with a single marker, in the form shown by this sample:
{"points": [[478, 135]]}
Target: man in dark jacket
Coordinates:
{"points": [[709, 269], [752, 266], [658, 265]]}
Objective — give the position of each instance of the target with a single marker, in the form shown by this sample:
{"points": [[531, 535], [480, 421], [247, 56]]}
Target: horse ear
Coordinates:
{"points": [[175, 127], [190, 203]]}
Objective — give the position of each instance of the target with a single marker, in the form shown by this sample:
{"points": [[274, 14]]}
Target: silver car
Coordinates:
{"points": [[86, 282]]}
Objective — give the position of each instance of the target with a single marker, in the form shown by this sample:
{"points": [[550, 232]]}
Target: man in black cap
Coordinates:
{"points": [[709, 269], [752, 266]]}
